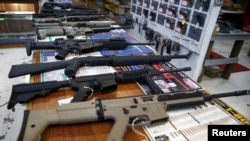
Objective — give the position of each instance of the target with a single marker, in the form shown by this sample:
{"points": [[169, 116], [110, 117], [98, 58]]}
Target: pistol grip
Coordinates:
{"points": [[81, 95], [153, 87], [72, 68], [61, 55], [29, 47], [119, 128]]}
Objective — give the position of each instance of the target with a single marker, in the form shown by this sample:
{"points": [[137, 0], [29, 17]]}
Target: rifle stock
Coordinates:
{"points": [[71, 66], [148, 109]]}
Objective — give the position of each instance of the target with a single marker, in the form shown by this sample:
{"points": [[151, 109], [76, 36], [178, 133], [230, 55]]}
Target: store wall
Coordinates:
{"points": [[6, 7]]}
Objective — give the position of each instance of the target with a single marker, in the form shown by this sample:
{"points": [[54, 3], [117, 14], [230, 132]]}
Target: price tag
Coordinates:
{"points": [[172, 84], [183, 22], [64, 101]]}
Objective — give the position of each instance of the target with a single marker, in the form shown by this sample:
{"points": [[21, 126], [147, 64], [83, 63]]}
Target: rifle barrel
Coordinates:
{"points": [[226, 94], [141, 43]]}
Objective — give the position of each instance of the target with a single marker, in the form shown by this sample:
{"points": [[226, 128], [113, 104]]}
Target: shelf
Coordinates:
{"points": [[116, 8], [119, 5], [223, 11]]}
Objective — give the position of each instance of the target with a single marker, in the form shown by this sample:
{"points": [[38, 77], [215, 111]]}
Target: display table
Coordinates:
{"points": [[98, 131], [238, 38]]}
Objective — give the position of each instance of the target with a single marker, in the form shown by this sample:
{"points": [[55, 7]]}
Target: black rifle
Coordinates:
{"points": [[64, 47], [52, 11], [67, 19], [71, 66], [57, 14], [23, 93], [148, 109]]}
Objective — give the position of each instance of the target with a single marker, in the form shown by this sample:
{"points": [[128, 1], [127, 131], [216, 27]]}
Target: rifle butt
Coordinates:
{"points": [[24, 69], [32, 128], [24, 93], [28, 48]]}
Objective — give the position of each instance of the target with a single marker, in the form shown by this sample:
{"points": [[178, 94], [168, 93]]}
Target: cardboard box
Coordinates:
{"points": [[213, 71]]}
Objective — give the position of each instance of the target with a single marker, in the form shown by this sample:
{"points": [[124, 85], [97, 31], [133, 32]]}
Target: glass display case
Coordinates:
{"points": [[16, 27]]}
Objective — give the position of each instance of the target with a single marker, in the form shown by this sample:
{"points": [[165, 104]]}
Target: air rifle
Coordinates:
{"points": [[67, 19], [64, 47], [71, 32], [124, 111], [90, 24], [71, 66], [23, 93]]}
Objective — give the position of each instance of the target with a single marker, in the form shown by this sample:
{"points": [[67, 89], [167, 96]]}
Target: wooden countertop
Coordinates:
{"points": [[96, 131]]}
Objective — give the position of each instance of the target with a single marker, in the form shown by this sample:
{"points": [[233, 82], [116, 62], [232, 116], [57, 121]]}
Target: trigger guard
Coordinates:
{"points": [[139, 120]]}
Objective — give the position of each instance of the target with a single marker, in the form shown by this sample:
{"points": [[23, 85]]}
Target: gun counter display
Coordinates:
{"points": [[150, 71], [71, 66], [145, 110], [24, 93], [64, 47]]}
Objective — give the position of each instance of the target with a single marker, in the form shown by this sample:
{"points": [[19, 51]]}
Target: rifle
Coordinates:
{"points": [[57, 14], [67, 18], [23, 93], [52, 5], [76, 24], [65, 47], [71, 32], [72, 65], [124, 111], [84, 11]]}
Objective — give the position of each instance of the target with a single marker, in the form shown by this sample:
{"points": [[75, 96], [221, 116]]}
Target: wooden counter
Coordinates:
{"points": [[97, 131]]}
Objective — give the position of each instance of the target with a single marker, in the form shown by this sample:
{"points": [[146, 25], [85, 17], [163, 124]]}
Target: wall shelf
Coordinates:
{"points": [[116, 8]]}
